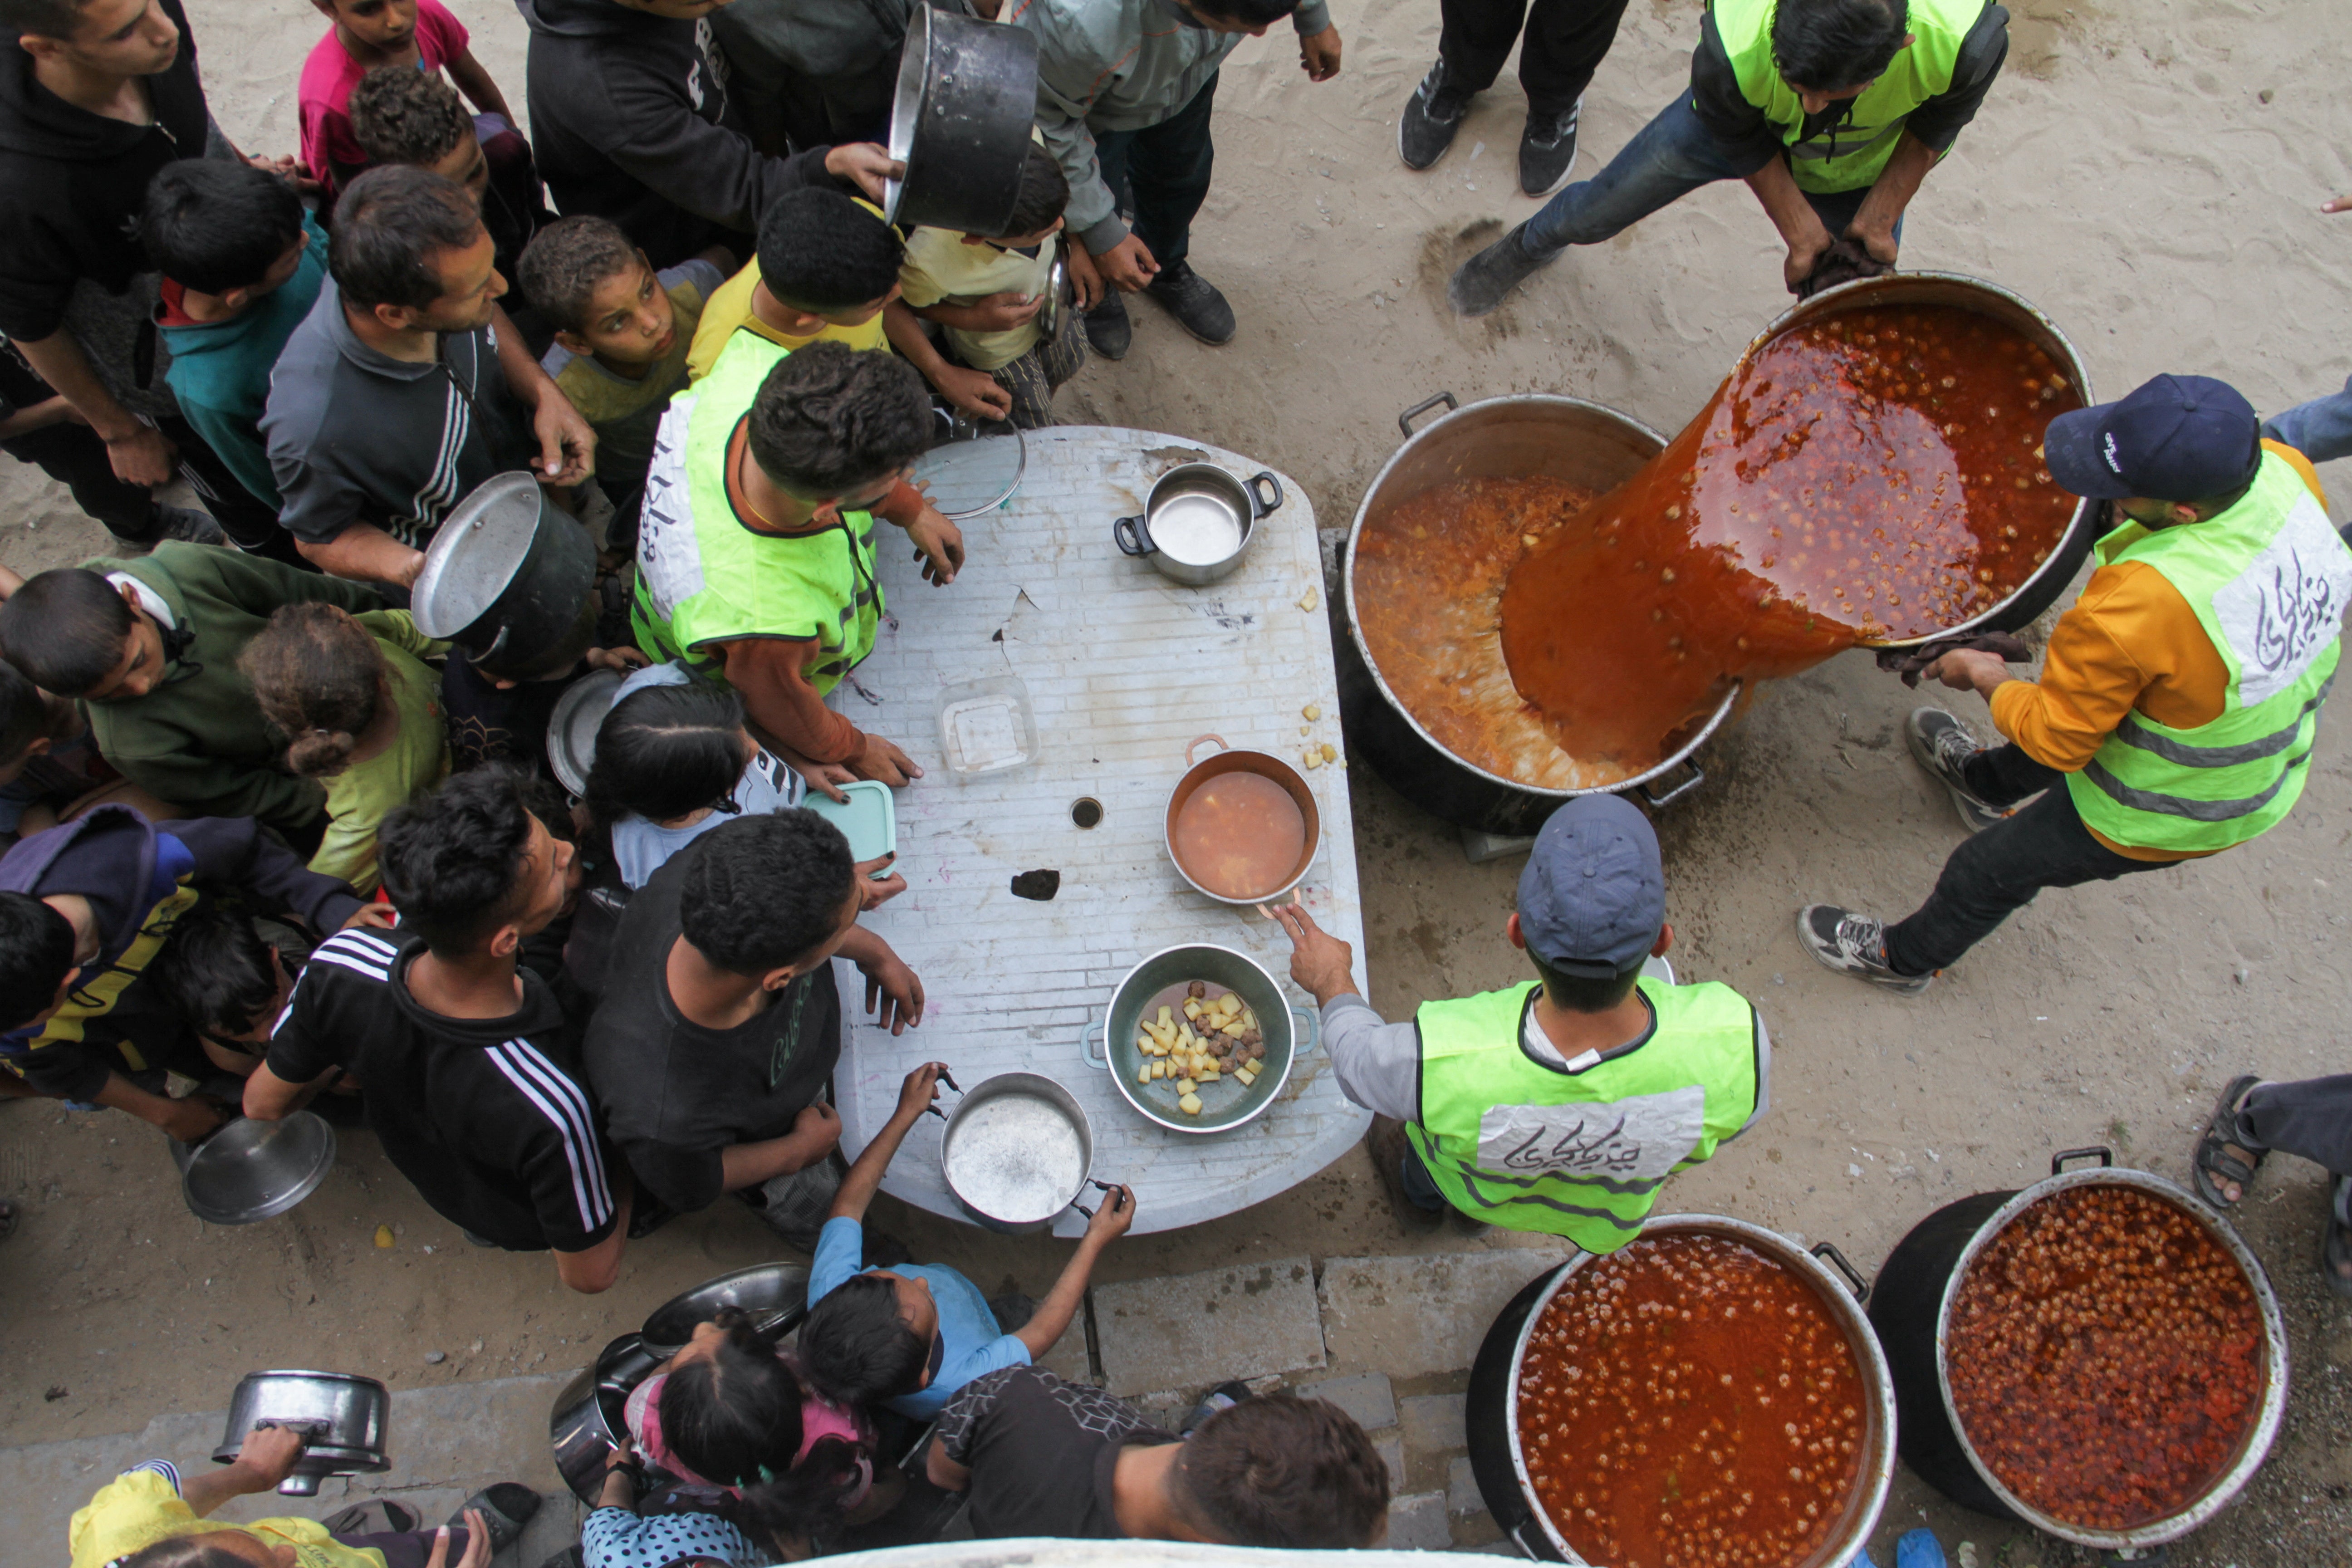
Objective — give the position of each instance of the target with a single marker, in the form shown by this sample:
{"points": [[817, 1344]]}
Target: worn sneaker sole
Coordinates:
{"points": [[1837, 962], [1975, 814]]}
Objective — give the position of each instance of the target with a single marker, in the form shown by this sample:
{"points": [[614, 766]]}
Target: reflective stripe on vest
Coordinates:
{"points": [[1512, 1141], [704, 578], [1848, 155], [2269, 579]]}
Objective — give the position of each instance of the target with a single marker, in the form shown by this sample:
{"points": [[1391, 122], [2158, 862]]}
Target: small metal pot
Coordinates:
{"points": [[1198, 521], [1016, 1167], [249, 1170], [774, 1295], [1226, 1106], [506, 576], [1920, 1281], [588, 1421], [967, 98], [341, 1415], [1229, 761]]}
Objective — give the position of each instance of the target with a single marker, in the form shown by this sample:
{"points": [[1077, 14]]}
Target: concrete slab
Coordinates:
{"points": [[1390, 1449], [444, 1442], [1410, 1317], [1434, 1424], [1369, 1398], [1418, 1523], [1178, 1332], [1461, 1498]]}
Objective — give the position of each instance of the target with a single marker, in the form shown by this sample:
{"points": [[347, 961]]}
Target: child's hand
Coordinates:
{"points": [[1086, 279], [1112, 1215], [1003, 312], [922, 1088], [974, 391], [624, 659]]}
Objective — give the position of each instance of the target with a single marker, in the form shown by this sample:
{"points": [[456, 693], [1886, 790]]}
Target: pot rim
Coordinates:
{"points": [[1168, 834], [2251, 1452], [1862, 1339], [1042, 1087], [1855, 295], [1667, 764], [1126, 1090], [462, 519]]}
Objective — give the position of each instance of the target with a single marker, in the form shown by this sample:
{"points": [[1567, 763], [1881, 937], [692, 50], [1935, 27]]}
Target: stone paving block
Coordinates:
{"points": [[1412, 1317], [1417, 1523], [1068, 1358], [1367, 1398], [1462, 1497], [1390, 1449], [1192, 1330], [1434, 1424]]}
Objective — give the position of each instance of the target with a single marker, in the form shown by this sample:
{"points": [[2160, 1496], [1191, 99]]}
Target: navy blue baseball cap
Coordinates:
{"points": [[1594, 896], [2177, 438]]}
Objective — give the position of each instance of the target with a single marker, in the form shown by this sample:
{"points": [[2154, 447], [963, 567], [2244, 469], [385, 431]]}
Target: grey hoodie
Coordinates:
{"points": [[630, 120]]}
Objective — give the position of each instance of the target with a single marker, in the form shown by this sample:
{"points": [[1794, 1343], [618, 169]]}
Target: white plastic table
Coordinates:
{"points": [[1124, 668]]}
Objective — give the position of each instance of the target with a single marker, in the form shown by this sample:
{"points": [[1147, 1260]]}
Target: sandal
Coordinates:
{"points": [[2214, 1145], [2335, 1247]]}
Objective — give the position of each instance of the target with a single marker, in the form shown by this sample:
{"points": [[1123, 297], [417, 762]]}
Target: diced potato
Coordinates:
{"points": [[1185, 1086], [1229, 1004], [1212, 1076], [1249, 1079], [1190, 1105], [1310, 759], [1311, 712], [1236, 1029], [1167, 1016], [1331, 753], [1143, 1073], [1249, 1019], [1192, 1009]]}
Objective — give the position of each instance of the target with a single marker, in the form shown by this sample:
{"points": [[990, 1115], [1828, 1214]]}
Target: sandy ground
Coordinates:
{"points": [[2150, 178]]}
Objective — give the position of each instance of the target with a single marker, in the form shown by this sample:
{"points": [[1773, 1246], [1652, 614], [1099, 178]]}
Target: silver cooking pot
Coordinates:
{"points": [[507, 576], [1018, 1151], [1198, 521], [966, 99], [340, 1416], [589, 1422]]}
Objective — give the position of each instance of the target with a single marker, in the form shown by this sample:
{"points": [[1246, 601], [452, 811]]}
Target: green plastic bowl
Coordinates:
{"points": [[1225, 1104]]}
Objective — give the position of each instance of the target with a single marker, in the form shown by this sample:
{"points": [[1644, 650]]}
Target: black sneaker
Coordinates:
{"points": [[1194, 301], [1940, 744], [1432, 115], [189, 525], [1108, 332], [1224, 1396], [1487, 279], [1853, 944], [506, 1507], [1548, 150]]}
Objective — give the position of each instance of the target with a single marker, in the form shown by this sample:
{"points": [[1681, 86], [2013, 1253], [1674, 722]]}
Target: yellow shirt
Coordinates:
{"points": [[360, 796], [141, 1507], [2130, 642], [940, 266], [731, 308]]}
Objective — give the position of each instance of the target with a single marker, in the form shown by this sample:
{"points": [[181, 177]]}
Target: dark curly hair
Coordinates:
{"points": [[37, 953], [820, 250], [320, 679], [403, 115], [452, 860], [829, 418], [1279, 1470], [390, 224], [1830, 46], [763, 891], [65, 629], [566, 262]]}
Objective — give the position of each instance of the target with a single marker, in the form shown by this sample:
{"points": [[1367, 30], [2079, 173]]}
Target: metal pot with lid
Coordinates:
{"points": [[508, 576], [340, 1416]]}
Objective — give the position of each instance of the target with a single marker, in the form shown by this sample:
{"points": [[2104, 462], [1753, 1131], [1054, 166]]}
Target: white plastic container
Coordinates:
{"points": [[987, 728]]}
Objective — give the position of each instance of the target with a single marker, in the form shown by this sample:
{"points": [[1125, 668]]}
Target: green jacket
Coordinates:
{"points": [[199, 740]]}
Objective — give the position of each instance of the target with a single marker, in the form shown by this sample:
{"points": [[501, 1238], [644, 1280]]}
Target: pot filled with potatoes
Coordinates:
{"points": [[1201, 1038]]}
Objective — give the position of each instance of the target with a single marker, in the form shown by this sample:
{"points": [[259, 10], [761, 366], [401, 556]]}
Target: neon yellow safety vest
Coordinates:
{"points": [[1849, 154], [706, 577], [2269, 579], [1581, 1154]]}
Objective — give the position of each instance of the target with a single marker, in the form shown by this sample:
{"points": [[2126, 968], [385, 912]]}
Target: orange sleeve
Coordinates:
{"points": [[2130, 641], [771, 673], [2301, 465]]}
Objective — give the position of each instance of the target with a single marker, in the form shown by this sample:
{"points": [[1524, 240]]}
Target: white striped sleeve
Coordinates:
{"points": [[560, 1099]]}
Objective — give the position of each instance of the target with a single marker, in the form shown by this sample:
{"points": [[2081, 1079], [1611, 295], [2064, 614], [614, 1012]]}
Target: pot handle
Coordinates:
{"points": [[2100, 1152], [1314, 1016], [1117, 1202], [1132, 537], [1196, 746], [1405, 419], [1855, 1281], [1098, 1029], [1655, 800], [1520, 1540], [1259, 505]]}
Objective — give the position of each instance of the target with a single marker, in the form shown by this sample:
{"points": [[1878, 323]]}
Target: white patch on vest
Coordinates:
{"points": [[2288, 608], [1638, 1139], [669, 557]]}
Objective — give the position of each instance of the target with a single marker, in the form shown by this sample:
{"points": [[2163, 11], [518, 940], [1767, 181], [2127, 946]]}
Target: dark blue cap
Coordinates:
{"points": [[2177, 438], [1594, 896]]}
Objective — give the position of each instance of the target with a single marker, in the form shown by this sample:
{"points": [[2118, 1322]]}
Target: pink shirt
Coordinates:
{"points": [[330, 73]]}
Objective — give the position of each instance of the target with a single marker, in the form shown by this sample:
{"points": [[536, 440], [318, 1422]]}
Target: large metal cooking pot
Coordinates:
{"points": [[1018, 1151], [966, 101], [588, 1421], [1228, 1103], [1912, 1312], [506, 576], [1492, 1407], [1530, 436], [1891, 289], [342, 1416]]}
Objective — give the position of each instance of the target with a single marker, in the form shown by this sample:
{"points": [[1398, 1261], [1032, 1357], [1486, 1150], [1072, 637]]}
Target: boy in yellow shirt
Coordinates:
{"points": [[987, 290]]}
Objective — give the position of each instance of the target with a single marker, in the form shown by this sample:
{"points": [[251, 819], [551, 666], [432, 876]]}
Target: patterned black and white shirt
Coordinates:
{"points": [[479, 1114], [1040, 1452]]}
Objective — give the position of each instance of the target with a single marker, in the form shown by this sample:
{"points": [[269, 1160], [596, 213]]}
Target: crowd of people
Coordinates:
{"points": [[273, 848]]}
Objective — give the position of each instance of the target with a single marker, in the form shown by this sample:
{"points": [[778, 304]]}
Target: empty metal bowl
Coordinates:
{"points": [[251, 1170], [774, 1294]]}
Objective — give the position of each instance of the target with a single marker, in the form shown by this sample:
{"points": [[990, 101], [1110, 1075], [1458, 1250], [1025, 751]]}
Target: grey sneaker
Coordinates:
{"points": [[1940, 744], [1194, 301], [1482, 283], [1548, 150], [1431, 116], [1853, 944], [187, 523]]}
